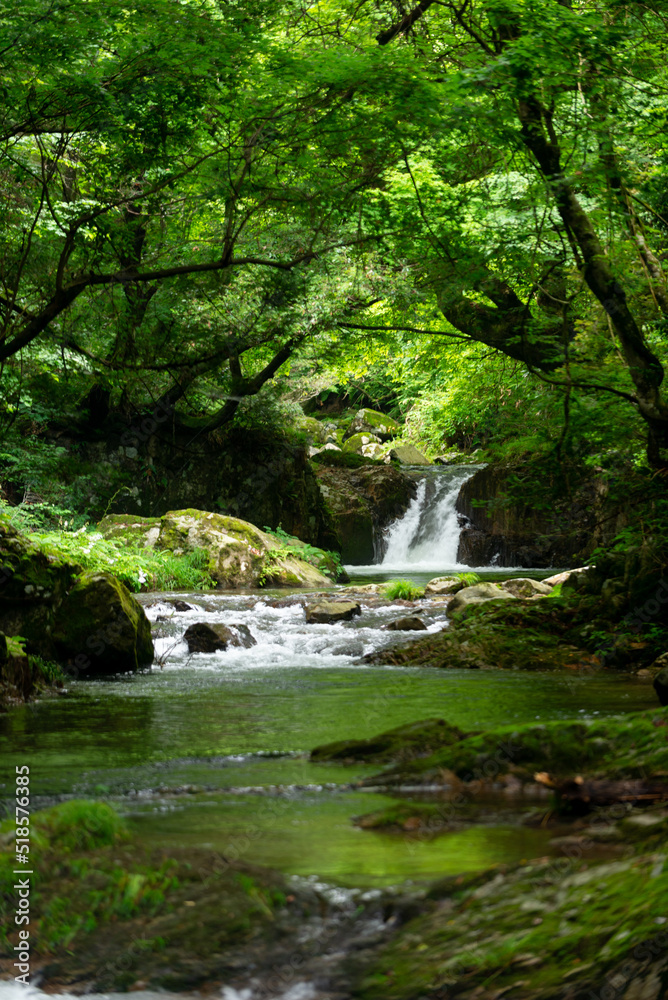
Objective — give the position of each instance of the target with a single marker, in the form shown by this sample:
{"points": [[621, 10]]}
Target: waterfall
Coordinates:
{"points": [[426, 537]]}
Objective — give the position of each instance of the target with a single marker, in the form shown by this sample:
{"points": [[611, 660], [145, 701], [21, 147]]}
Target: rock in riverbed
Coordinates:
{"points": [[478, 594], [238, 554], [101, 629], [330, 612], [411, 623], [205, 638], [443, 585], [523, 586]]}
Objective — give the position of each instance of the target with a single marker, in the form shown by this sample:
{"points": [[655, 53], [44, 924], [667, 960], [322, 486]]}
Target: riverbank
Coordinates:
{"points": [[114, 913]]}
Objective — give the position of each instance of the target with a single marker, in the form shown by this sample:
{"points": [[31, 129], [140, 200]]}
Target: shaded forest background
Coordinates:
{"points": [[214, 218]]}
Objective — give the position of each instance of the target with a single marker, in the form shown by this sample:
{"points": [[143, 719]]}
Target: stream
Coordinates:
{"points": [[212, 749]]}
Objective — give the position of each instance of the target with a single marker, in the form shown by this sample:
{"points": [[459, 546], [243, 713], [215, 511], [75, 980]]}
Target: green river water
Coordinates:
{"points": [[211, 750]]}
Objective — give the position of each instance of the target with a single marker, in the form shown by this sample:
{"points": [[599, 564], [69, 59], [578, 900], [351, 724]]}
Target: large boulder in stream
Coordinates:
{"points": [[525, 587], [101, 629], [331, 612], [411, 623], [478, 594], [237, 553], [212, 638], [88, 620], [443, 585]]}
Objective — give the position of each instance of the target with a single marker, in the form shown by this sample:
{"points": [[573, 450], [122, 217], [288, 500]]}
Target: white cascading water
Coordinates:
{"points": [[426, 537]]}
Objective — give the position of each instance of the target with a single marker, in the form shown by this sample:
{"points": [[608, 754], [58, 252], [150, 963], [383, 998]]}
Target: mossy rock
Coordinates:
{"points": [[108, 912], [314, 430], [362, 500], [24, 676], [407, 817], [359, 441], [416, 739], [128, 527], [507, 634], [101, 629], [619, 747], [373, 422], [238, 553], [33, 581], [342, 459], [559, 929]]}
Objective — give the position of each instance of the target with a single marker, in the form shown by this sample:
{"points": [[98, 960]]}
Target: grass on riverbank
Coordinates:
{"points": [[106, 911]]}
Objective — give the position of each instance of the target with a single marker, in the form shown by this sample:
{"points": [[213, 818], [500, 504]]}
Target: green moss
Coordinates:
{"points": [[403, 743], [407, 817], [513, 635], [560, 927], [343, 460], [100, 620], [356, 442], [627, 746], [107, 911]]}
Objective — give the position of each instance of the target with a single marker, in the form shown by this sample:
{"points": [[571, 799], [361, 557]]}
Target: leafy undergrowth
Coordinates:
{"points": [[138, 567], [627, 746], [107, 912], [549, 929], [24, 675], [327, 562]]}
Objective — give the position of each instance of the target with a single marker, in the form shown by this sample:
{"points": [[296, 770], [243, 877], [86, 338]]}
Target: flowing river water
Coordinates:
{"points": [[212, 749]]}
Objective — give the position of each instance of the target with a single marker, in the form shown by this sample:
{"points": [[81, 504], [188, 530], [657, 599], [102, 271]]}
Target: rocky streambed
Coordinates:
{"points": [[293, 828]]}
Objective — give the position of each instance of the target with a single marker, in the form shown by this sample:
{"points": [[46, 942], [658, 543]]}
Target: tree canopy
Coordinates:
{"points": [[195, 193]]}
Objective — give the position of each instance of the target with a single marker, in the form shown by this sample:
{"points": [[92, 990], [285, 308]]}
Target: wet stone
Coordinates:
{"points": [[411, 623], [330, 612], [205, 638]]}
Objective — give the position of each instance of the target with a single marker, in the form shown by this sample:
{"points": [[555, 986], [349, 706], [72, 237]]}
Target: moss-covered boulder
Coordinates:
{"points": [[507, 634], [415, 739], [524, 586], [128, 527], [632, 746], [408, 454], [315, 431], [101, 629], [238, 553], [443, 585], [358, 442], [373, 422], [478, 594], [33, 582]]}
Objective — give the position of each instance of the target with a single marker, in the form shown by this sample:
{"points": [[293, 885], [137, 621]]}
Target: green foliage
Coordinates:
{"points": [[468, 578], [404, 590], [139, 568], [327, 562]]}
